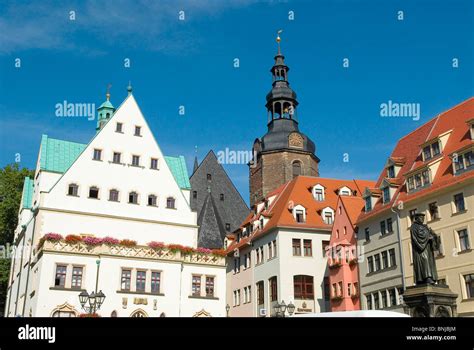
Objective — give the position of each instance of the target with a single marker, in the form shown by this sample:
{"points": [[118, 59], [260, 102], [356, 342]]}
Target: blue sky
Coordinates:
{"points": [[190, 63]]}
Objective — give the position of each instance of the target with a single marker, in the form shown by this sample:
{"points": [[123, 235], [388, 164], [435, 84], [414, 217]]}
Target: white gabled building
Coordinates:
{"points": [[119, 185]]}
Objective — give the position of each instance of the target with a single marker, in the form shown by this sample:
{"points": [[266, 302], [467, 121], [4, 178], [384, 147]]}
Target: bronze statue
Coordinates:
{"points": [[424, 242]]}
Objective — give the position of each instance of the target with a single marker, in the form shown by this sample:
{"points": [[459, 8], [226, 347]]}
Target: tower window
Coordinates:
{"points": [[138, 131], [195, 194], [296, 168], [118, 127], [94, 192], [222, 196], [227, 227], [209, 177]]}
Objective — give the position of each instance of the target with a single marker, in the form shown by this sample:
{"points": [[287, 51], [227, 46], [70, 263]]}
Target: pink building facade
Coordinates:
{"points": [[342, 256]]}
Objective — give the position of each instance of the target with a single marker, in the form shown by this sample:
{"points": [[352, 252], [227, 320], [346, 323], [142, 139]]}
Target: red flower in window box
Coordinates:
{"points": [[219, 252], [128, 243], [156, 245], [73, 239], [50, 237], [92, 241], [110, 240], [187, 250], [175, 247]]}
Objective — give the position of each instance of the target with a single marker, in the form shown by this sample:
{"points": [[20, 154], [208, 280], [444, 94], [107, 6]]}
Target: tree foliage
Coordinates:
{"points": [[11, 186]]}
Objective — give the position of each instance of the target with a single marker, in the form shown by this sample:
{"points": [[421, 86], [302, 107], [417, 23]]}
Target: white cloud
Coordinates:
{"points": [[151, 25]]}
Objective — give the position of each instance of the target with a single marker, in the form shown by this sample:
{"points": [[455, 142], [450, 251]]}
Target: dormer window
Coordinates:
{"points": [[328, 215], [368, 204], [345, 191], [391, 172], [418, 180], [386, 194], [431, 151], [318, 193], [463, 161], [299, 213]]}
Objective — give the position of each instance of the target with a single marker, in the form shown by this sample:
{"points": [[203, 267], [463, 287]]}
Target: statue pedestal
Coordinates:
{"points": [[429, 300]]}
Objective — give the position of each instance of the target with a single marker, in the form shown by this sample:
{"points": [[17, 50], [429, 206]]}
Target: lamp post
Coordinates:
{"points": [[281, 308], [227, 308], [91, 302]]}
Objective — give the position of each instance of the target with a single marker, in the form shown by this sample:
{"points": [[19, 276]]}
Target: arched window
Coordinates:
{"points": [[152, 200], [296, 168], [170, 203], [303, 287], [114, 195], [73, 190], [139, 313], [133, 198], [94, 192]]}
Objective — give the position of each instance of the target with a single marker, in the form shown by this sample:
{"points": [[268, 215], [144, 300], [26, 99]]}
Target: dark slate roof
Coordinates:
{"points": [[210, 225], [277, 136], [232, 210]]}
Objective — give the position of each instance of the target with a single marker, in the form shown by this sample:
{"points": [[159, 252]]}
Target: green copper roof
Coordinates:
{"points": [[106, 104], [27, 193], [58, 155], [179, 170]]}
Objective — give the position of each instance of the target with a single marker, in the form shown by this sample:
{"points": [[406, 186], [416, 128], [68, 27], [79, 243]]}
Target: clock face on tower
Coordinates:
{"points": [[295, 140]]}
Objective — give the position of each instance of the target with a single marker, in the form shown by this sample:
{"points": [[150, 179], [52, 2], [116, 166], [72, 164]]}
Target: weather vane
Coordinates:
{"points": [[278, 39], [108, 91]]}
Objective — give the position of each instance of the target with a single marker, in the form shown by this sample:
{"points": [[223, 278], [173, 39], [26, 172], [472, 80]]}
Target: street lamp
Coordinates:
{"points": [[227, 308], [281, 308], [95, 301]]}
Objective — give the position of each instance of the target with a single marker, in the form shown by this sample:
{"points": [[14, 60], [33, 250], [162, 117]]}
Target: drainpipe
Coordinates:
{"points": [[35, 212], [400, 247], [180, 284]]}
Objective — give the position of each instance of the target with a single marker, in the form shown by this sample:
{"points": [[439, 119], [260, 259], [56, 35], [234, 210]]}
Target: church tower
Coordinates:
{"points": [[105, 111], [283, 152]]}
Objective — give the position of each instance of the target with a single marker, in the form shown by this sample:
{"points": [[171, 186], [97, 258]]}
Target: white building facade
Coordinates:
{"points": [[119, 186]]}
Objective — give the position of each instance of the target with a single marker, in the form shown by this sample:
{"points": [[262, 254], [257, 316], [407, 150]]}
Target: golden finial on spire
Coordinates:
{"points": [[278, 39], [107, 95]]}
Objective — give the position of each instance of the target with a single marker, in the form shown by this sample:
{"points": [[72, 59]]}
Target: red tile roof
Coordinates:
{"points": [[298, 192], [409, 147]]}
